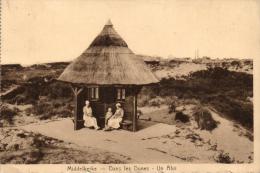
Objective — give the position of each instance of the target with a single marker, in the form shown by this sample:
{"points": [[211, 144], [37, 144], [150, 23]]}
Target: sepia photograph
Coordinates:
{"points": [[128, 82]]}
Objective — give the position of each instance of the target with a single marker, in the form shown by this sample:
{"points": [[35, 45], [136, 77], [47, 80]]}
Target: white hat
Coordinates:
{"points": [[118, 104]]}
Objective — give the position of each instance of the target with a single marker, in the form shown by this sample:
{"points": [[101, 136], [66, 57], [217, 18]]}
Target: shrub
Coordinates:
{"points": [[226, 91], [157, 101], [63, 112], [204, 119], [191, 101], [59, 90], [250, 136], [27, 94], [36, 87], [180, 116], [42, 108], [248, 62], [54, 108], [143, 100], [172, 103], [5, 83], [172, 107], [19, 99], [237, 110], [146, 94], [29, 111], [235, 63], [7, 114], [222, 157]]}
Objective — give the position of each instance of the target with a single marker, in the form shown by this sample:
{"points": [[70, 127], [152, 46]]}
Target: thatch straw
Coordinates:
{"points": [[108, 61], [108, 37]]}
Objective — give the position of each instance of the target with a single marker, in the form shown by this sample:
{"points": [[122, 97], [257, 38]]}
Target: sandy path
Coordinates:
{"points": [[123, 142], [159, 142]]}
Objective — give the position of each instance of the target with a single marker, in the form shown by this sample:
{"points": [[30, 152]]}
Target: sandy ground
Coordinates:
{"points": [[185, 69], [114, 141], [182, 69], [21, 118], [158, 142], [21, 147]]}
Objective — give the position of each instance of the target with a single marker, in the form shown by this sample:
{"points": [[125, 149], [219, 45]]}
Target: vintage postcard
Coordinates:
{"points": [[121, 86]]}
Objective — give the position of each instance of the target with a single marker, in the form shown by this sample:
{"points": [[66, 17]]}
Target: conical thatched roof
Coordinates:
{"points": [[108, 60]]}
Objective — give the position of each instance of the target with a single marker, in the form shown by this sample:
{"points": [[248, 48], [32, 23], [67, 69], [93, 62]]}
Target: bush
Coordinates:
{"points": [[59, 90], [204, 119], [7, 114], [29, 111], [143, 100], [146, 94], [191, 101], [172, 107], [63, 111], [48, 109], [5, 83], [27, 94], [223, 158], [42, 108], [236, 63], [157, 101], [36, 87], [180, 116], [239, 111], [224, 90], [172, 103]]}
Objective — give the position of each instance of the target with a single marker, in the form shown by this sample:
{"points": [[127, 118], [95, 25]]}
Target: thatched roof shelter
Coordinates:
{"points": [[108, 61]]}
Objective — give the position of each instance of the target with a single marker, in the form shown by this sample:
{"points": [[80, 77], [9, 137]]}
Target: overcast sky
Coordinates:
{"points": [[60, 30]]}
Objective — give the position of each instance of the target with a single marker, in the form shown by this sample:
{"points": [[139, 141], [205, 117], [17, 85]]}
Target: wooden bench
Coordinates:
{"points": [[126, 124]]}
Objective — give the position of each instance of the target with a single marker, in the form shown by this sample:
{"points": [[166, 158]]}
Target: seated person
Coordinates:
{"points": [[115, 120], [109, 114], [90, 120]]}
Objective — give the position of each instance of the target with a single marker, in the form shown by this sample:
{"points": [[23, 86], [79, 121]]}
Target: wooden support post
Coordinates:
{"points": [[78, 123], [135, 112], [75, 111], [135, 90]]}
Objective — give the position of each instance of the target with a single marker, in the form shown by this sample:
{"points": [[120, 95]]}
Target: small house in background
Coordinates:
{"points": [[106, 73]]}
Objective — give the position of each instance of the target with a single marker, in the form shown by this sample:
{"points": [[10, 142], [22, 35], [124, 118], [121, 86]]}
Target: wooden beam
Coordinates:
{"points": [[135, 113], [135, 91], [75, 111], [76, 92]]}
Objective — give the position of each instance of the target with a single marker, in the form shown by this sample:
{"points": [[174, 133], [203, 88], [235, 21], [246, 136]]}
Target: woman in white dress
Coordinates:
{"points": [[116, 119], [90, 120]]}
